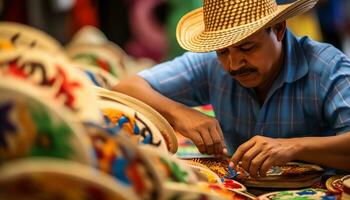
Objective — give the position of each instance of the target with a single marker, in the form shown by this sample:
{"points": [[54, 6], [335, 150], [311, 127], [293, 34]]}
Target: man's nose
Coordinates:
{"points": [[234, 62]]}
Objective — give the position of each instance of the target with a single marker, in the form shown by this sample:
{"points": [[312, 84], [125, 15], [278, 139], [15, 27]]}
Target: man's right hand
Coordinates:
{"points": [[203, 130]]}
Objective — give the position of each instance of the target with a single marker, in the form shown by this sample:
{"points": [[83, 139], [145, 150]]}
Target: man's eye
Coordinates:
{"points": [[247, 48], [222, 52]]}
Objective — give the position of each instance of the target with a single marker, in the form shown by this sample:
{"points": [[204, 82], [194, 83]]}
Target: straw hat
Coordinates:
{"points": [[20, 35], [168, 166], [135, 125], [221, 23], [56, 79], [47, 178], [37, 126], [152, 115]]}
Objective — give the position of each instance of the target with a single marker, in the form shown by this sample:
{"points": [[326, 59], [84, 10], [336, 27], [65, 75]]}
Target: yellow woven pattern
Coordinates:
{"points": [[224, 14], [218, 166], [221, 23]]}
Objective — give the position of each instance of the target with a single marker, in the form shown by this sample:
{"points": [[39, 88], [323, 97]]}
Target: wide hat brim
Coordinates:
{"points": [[192, 36], [164, 128]]}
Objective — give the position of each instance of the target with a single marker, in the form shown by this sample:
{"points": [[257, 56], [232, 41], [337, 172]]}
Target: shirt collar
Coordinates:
{"points": [[295, 62]]}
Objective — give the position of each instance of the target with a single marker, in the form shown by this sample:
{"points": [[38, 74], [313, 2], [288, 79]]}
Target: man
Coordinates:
{"points": [[277, 98]]}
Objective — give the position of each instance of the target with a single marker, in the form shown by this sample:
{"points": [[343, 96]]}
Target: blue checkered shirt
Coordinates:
{"points": [[310, 97]]}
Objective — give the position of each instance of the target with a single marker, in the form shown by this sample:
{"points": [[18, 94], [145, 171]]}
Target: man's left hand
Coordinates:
{"points": [[260, 153]]}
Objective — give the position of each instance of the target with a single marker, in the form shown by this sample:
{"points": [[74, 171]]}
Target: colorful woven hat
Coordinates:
{"points": [[134, 124], [42, 179], [121, 158], [199, 191], [88, 35], [152, 115], [203, 173], [170, 168], [90, 41], [20, 35], [55, 77], [98, 76], [34, 126], [221, 23], [98, 56]]}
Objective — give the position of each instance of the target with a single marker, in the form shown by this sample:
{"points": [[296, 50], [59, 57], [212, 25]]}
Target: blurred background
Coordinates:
{"points": [[146, 28]]}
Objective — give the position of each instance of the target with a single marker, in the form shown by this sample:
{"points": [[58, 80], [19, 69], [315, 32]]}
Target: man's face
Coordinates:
{"points": [[255, 60]]}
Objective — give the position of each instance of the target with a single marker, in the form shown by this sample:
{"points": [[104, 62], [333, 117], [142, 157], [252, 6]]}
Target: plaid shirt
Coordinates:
{"points": [[310, 97]]}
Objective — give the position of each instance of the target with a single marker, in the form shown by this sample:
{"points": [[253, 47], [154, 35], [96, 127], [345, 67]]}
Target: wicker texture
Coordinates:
{"points": [[221, 23], [224, 14]]}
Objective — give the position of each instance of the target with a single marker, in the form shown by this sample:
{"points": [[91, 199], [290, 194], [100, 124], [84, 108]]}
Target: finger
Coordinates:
{"points": [[266, 165], [237, 156], [198, 141], [249, 156], [218, 129], [217, 141], [224, 150], [270, 162], [208, 142], [256, 164]]}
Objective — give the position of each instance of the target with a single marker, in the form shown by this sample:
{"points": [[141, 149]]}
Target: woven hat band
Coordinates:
{"points": [[225, 14]]}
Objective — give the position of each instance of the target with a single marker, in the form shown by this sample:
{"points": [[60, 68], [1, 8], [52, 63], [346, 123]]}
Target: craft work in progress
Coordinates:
{"points": [[306, 194], [291, 175], [218, 166], [335, 183]]}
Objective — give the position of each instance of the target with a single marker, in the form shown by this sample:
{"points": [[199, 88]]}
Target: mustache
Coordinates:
{"points": [[242, 70]]}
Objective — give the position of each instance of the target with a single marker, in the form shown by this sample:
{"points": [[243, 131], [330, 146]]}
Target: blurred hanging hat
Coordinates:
{"points": [[33, 125], [168, 166], [20, 35], [91, 46], [221, 23], [56, 79], [90, 35], [48, 178]]}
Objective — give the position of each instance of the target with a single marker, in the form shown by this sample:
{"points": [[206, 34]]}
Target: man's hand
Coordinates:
{"points": [[203, 130], [259, 154]]}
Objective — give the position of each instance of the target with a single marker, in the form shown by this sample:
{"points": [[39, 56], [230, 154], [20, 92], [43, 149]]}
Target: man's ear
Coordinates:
{"points": [[279, 29]]}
